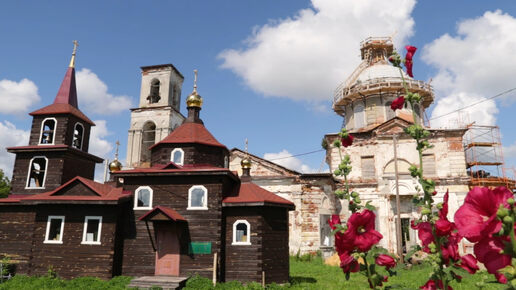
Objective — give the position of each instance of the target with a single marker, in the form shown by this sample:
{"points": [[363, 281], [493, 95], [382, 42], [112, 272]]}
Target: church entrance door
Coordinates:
{"points": [[167, 249]]}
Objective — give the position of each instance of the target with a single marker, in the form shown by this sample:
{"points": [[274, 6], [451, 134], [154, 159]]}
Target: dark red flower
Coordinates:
{"points": [[468, 263], [488, 252], [335, 219], [361, 232], [424, 232], [476, 218], [348, 263], [411, 50], [385, 260], [443, 226], [431, 285], [347, 141], [398, 103], [450, 248]]}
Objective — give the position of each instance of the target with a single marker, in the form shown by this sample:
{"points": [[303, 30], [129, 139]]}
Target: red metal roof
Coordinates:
{"points": [[104, 192], [67, 93], [170, 213], [170, 168], [252, 193], [62, 109], [190, 133]]}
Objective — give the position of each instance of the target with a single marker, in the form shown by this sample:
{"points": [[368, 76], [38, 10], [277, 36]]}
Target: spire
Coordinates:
{"points": [[67, 93], [246, 164]]}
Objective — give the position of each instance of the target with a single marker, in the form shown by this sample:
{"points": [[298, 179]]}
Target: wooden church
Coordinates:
{"points": [[177, 210]]}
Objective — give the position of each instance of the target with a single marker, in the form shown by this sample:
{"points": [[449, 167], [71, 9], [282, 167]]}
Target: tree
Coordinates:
{"points": [[5, 185]]}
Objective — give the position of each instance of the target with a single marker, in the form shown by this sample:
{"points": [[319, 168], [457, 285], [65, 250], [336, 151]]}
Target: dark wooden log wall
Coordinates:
{"points": [[64, 131], [71, 258], [202, 225], [244, 262], [194, 154], [16, 230], [275, 245]]}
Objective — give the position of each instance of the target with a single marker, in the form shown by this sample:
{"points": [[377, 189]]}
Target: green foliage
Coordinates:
{"points": [[22, 282], [5, 185]]}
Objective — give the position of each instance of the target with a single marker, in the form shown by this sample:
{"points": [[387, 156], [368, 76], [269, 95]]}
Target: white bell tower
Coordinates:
{"points": [[157, 114]]}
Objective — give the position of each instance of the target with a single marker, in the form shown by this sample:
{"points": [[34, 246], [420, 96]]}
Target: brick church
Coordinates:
{"points": [[176, 210]]}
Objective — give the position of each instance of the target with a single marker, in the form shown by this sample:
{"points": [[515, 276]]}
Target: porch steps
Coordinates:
{"points": [[165, 282]]}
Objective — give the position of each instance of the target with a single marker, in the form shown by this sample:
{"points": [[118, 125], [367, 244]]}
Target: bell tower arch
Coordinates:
{"points": [[158, 111]]}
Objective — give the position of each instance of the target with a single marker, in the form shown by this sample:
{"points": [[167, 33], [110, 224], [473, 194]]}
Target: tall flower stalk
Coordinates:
{"points": [[356, 241], [439, 236]]}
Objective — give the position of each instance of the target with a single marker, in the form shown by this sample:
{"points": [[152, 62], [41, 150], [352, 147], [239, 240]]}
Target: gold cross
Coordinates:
{"points": [[116, 152], [195, 80], [72, 61]]}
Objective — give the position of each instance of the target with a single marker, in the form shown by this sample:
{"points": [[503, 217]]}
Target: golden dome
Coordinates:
{"points": [[194, 100], [246, 163], [115, 165]]}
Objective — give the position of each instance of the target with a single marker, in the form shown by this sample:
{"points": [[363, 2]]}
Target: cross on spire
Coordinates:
{"points": [[116, 151], [195, 81], [75, 45]]}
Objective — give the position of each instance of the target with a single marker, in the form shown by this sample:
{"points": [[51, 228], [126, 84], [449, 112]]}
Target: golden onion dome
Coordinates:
{"points": [[115, 165], [246, 163], [194, 100]]}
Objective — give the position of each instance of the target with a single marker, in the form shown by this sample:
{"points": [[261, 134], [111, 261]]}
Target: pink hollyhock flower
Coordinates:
{"points": [[443, 226], [385, 260], [411, 50], [431, 285], [450, 249], [469, 263], [488, 252], [348, 263], [424, 232], [476, 218], [335, 219], [341, 245], [398, 103], [347, 141], [361, 232]]}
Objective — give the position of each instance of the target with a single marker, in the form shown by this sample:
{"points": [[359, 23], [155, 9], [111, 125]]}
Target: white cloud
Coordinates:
{"points": [[93, 95], [475, 64], [17, 97], [11, 137], [510, 151], [99, 146], [307, 56], [285, 158]]}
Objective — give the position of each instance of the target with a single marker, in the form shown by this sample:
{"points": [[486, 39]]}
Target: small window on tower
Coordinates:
{"points": [[177, 156], [241, 233], [154, 92], [143, 198], [148, 139], [91, 232], [78, 133], [197, 197], [37, 172], [48, 127]]}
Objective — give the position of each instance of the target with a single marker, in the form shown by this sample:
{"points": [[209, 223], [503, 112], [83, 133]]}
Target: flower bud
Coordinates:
{"points": [[510, 201], [426, 211], [354, 194], [507, 219], [502, 212]]}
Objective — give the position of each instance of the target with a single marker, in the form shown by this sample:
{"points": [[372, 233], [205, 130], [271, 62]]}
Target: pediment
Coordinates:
{"points": [[75, 188], [391, 127]]}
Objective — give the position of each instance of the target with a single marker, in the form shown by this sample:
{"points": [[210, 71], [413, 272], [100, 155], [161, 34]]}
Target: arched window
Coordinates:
{"points": [[177, 156], [197, 197], [154, 92], [143, 198], [78, 134], [359, 115], [48, 127], [241, 233], [389, 113], [148, 139], [37, 172]]}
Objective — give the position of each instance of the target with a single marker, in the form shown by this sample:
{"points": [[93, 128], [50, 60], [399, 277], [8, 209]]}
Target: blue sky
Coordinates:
{"points": [[267, 69]]}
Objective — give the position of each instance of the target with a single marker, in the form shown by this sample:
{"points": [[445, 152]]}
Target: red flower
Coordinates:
{"points": [[443, 226], [450, 249], [469, 263], [347, 141], [335, 219], [476, 218], [431, 285], [488, 252], [348, 263], [411, 50], [398, 103], [361, 233], [385, 260], [424, 232]]}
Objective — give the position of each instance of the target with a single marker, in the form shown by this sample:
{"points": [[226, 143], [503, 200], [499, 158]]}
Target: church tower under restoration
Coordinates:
{"points": [[157, 114]]}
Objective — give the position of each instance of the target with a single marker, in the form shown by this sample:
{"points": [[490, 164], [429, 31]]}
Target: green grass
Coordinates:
{"points": [[304, 274]]}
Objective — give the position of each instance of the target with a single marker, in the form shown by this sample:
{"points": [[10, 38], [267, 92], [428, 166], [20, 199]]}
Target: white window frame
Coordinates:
{"points": [[27, 183], [55, 217], [136, 207], [53, 135], [86, 219], [182, 156], [205, 204], [248, 233], [82, 137]]}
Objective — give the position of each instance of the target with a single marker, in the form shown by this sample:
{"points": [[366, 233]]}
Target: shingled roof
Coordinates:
{"points": [[252, 194], [190, 133]]}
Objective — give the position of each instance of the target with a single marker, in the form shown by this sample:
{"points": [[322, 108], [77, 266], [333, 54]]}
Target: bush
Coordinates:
{"points": [[199, 283]]}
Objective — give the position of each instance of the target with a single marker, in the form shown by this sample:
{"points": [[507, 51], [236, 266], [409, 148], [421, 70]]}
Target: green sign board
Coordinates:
{"points": [[199, 248]]}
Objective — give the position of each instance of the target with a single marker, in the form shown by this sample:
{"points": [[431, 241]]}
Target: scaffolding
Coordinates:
{"points": [[484, 157]]}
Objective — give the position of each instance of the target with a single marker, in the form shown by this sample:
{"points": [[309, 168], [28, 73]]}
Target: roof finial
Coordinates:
{"points": [[72, 61], [194, 100], [195, 81], [116, 151], [115, 165], [246, 162], [246, 145]]}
